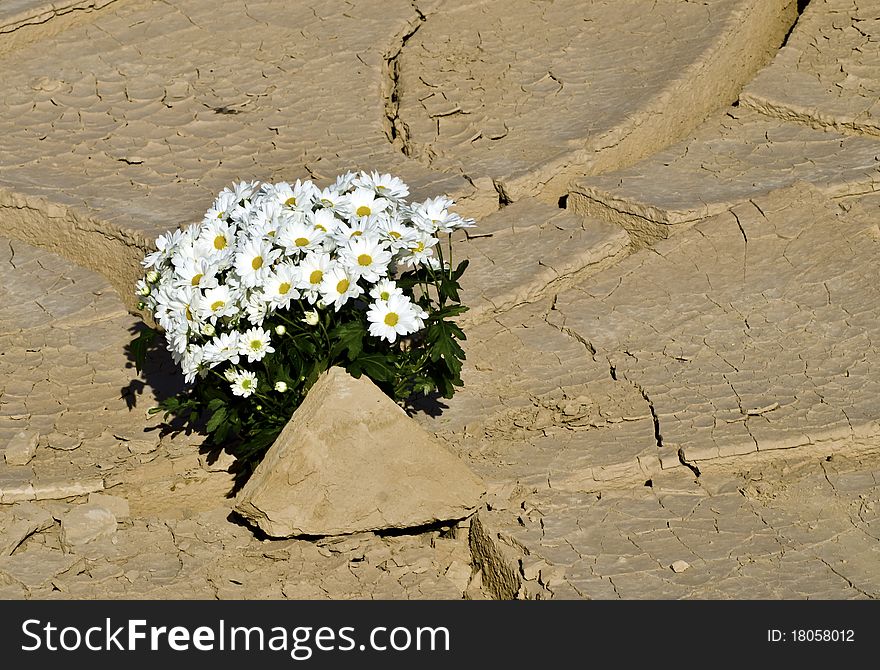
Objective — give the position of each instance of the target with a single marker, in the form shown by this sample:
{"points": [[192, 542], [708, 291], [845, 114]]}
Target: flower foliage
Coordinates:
{"points": [[281, 281]]}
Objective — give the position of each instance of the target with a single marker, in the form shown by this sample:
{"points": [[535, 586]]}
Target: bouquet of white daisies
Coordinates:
{"points": [[281, 281]]}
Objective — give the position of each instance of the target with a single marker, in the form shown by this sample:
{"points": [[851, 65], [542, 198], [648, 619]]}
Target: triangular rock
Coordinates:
{"points": [[351, 460]]}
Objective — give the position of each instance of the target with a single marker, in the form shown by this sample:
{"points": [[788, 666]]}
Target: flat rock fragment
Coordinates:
{"points": [[350, 460]]}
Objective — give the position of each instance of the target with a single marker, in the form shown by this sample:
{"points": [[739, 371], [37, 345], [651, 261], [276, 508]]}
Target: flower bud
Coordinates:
{"points": [[280, 330], [209, 330], [141, 304], [311, 318], [321, 304], [259, 407], [152, 276], [281, 387], [230, 374]]}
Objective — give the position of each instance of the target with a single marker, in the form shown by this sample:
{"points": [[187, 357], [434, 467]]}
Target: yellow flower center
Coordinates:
{"points": [[283, 288], [326, 203], [246, 383], [220, 242], [384, 295], [419, 247], [363, 210], [356, 233], [342, 286], [189, 314], [217, 304], [301, 242], [257, 263], [394, 234], [256, 344], [320, 227], [196, 279], [316, 277], [291, 201], [365, 260], [391, 319]]}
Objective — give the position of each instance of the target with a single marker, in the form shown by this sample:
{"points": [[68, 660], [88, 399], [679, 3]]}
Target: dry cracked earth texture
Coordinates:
{"points": [[673, 344]]}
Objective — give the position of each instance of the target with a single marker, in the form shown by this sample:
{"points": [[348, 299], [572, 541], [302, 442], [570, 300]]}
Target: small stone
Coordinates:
{"points": [[680, 566], [62, 441], [21, 448], [351, 460], [219, 463], [118, 506], [86, 523]]}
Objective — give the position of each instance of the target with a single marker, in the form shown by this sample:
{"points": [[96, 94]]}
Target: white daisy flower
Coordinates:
{"points": [[215, 302], [192, 363], [255, 343], [343, 182], [365, 257], [333, 200], [311, 317], [224, 347], [433, 215], [279, 286], [216, 238], [167, 245], [339, 286], [323, 219], [363, 202], [281, 387], [299, 236], [196, 272], [312, 270], [266, 221], [253, 261], [384, 185], [348, 230], [396, 233], [241, 191], [421, 251], [222, 207], [244, 384], [393, 317], [256, 306], [384, 289], [174, 303]]}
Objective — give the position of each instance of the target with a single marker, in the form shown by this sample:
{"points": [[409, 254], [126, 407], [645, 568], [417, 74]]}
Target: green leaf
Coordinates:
{"points": [[459, 271], [442, 336], [376, 366], [216, 420], [348, 337], [449, 290]]}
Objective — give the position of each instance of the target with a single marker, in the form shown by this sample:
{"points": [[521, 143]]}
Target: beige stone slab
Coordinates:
{"points": [[623, 80], [827, 75], [732, 158], [779, 314], [521, 252]]}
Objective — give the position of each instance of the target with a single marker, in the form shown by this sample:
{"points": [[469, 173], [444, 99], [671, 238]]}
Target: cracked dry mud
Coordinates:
{"points": [[671, 384]]}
